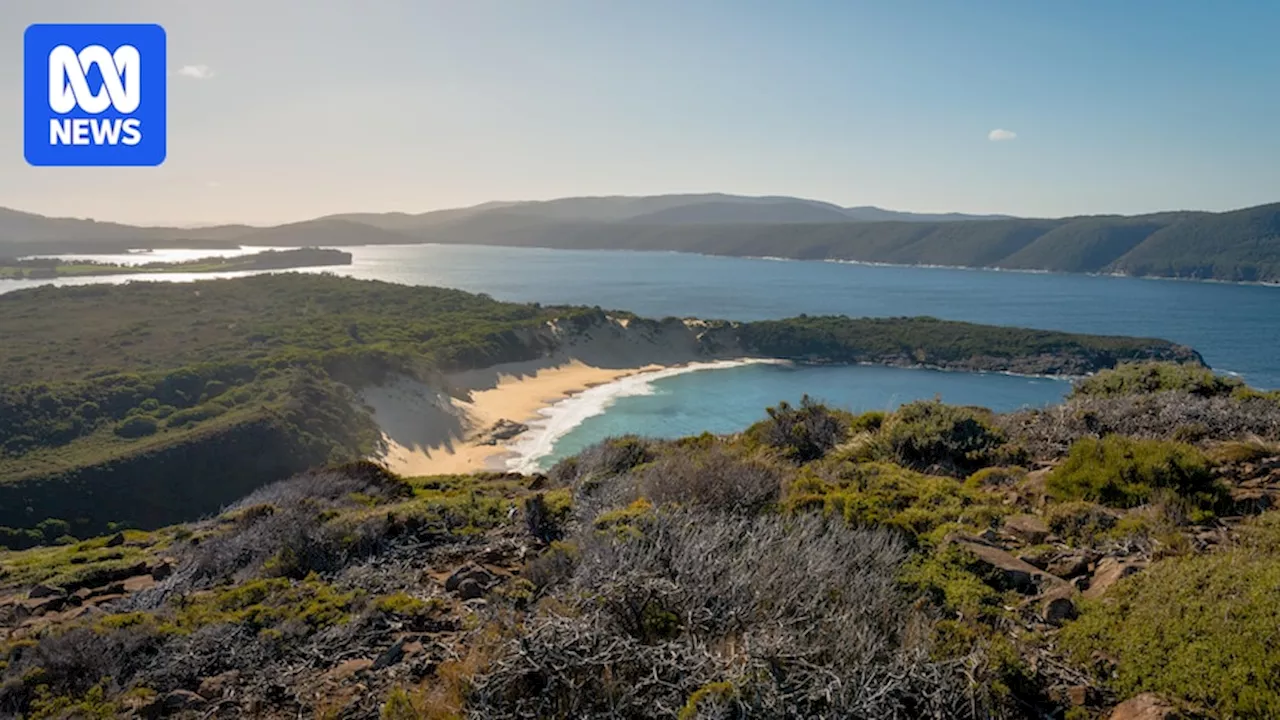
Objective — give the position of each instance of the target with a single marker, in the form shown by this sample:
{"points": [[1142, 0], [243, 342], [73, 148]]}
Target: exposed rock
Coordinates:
{"points": [[1147, 706], [1250, 501], [181, 701], [1040, 560], [116, 540], [393, 654], [480, 576], [1028, 528], [109, 575], [44, 591], [48, 605], [162, 570], [1009, 571], [1110, 571], [213, 688], [1058, 605], [1078, 695], [1068, 566], [502, 430], [470, 589]]}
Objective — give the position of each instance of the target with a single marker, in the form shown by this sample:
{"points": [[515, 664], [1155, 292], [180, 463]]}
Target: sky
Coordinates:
{"points": [[290, 109]]}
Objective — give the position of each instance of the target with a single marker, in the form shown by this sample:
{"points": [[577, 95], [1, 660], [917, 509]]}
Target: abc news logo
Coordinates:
{"points": [[94, 95], [69, 89]]}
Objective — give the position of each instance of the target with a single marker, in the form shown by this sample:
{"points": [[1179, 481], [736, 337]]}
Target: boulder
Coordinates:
{"points": [[1068, 566], [1078, 695], [116, 540], [1027, 528], [470, 589], [161, 571], [1058, 605], [48, 605], [44, 591], [1110, 571], [1008, 571], [1147, 706], [481, 576], [391, 655]]}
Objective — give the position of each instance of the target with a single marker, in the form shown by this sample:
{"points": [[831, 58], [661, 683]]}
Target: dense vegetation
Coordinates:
{"points": [[112, 387], [1240, 245], [35, 268], [941, 343], [819, 564]]}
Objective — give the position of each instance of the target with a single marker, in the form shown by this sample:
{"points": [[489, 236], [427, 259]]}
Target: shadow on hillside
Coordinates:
{"points": [[415, 416]]}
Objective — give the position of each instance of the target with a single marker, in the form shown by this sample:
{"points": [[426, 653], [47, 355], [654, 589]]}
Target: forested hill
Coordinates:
{"points": [[1240, 245]]}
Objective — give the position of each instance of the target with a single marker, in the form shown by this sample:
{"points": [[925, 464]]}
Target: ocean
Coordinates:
{"points": [[1235, 327]]}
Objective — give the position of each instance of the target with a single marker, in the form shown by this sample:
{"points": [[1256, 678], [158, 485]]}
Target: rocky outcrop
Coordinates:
{"points": [[1147, 706], [1110, 571], [1006, 571]]}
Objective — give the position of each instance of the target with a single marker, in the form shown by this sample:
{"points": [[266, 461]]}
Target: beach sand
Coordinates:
{"points": [[428, 432]]}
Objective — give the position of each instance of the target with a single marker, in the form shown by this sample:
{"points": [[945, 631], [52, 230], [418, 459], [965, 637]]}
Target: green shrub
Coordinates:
{"points": [[1080, 522], [933, 437], [190, 416], [1201, 629], [803, 433], [882, 494], [136, 427], [1153, 377], [1123, 472]]}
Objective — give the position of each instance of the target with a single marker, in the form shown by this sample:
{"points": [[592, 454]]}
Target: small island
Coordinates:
{"points": [[44, 268]]}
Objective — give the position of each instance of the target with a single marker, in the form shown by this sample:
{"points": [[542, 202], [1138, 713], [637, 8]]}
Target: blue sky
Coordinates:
{"points": [[285, 110]]}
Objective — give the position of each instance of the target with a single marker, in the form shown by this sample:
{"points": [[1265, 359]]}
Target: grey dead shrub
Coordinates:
{"points": [[712, 479], [1183, 416], [609, 457], [802, 617], [284, 529]]}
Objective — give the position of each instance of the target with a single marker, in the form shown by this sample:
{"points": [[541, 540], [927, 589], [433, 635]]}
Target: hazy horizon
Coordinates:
{"points": [[290, 111]]}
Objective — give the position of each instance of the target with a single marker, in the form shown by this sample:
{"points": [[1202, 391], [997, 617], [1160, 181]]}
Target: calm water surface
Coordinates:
{"points": [[1235, 327]]}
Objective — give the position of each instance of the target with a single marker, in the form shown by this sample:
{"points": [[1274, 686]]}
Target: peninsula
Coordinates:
{"points": [[168, 400], [40, 268]]}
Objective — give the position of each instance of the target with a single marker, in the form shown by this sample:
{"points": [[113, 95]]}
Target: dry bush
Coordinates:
{"points": [[1049, 432], [74, 660], [609, 457], [283, 528], [803, 617], [715, 479]]}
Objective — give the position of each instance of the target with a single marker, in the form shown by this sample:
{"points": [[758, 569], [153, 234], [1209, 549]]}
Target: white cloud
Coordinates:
{"points": [[198, 72], [999, 134]]}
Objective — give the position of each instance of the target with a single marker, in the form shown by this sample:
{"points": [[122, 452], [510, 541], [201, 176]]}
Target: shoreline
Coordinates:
{"points": [[549, 401], [451, 447]]}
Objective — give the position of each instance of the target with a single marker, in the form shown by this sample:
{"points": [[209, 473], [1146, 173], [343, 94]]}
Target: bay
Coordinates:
{"points": [[1235, 327]]}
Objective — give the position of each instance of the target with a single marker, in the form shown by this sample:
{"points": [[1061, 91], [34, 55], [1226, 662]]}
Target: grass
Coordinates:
{"points": [[1201, 629], [62, 565], [1123, 472], [883, 494]]}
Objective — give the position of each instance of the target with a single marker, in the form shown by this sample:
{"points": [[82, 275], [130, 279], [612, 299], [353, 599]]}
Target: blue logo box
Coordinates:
{"points": [[94, 95]]}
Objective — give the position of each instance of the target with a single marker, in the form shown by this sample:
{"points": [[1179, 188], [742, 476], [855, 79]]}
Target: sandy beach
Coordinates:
{"points": [[428, 432]]}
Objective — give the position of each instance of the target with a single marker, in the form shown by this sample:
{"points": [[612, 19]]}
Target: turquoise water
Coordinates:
{"points": [[724, 401], [1235, 327]]}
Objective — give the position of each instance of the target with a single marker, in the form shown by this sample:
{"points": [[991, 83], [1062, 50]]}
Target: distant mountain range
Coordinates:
{"points": [[1240, 245]]}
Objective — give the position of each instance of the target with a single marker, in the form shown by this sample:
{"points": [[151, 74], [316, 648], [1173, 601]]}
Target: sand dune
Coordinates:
{"points": [[433, 430], [427, 432]]}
